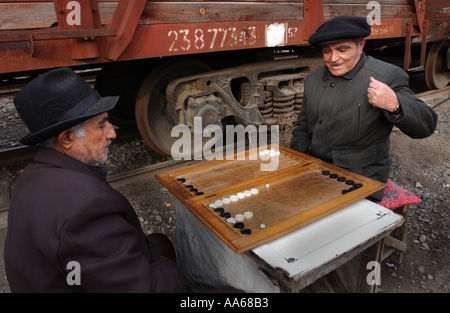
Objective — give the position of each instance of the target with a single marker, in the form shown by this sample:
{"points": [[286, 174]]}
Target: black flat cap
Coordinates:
{"points": [[340, 28]]}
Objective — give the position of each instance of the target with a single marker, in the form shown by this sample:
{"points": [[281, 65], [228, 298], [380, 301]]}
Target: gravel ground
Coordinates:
{"points": [[421, 166]]}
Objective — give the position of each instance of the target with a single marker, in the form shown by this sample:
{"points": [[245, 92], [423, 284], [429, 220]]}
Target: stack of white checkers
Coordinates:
{"points": [[238, 218]]}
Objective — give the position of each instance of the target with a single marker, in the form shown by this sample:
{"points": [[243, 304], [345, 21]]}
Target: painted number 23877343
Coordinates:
{"points": [[213, 38]]}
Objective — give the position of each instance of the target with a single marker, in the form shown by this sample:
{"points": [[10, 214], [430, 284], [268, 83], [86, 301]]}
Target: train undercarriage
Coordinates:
{"points": [[238, 62], [157, 97]]}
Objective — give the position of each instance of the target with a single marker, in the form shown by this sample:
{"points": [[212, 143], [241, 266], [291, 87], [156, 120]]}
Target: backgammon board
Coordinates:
{"points": [[250, 199]]}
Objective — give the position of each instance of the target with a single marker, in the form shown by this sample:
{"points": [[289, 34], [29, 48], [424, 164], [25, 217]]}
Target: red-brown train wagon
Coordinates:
{"points": [[224, 61]]}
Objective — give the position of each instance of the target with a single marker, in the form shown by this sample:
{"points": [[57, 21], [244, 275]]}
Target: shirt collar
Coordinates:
{"points": [[350, 75]]}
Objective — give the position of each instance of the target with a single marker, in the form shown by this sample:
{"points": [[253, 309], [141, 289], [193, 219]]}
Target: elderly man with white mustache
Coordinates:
{"points": [[68, 229]]}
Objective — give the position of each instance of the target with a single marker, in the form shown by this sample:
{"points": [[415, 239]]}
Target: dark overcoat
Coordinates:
{"points": [[60, 212], [338, 124]]}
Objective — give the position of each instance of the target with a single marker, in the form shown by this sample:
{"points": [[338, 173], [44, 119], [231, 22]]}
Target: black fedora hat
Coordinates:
{"points": [[56, 101]]}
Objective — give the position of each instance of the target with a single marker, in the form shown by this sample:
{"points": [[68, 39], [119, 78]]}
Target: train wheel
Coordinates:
{"points": [[152, 119], [436, 73]]}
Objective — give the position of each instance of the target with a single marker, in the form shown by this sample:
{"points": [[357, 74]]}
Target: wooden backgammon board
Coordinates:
{"points": [[296, 190]]}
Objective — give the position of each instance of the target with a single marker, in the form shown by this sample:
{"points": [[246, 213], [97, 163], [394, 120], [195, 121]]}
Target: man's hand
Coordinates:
{"points": [[381, 95]]}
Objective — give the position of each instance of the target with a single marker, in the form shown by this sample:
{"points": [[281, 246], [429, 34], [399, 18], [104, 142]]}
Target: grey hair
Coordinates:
{"points": [[358, 41], [79, 130]]}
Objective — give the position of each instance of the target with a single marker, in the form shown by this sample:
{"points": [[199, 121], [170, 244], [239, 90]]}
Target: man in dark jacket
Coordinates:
{"points": [[351, 104], [68, 229]]}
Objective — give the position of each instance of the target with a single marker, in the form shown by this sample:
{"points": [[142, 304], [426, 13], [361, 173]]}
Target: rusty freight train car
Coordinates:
{"points": [[224, 61]]}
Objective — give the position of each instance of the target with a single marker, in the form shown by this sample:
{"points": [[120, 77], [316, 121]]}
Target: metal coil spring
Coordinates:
{"points": [[281, 107]]}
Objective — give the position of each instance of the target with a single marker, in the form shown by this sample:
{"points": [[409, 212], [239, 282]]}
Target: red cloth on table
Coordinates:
{"points": [[395, 197]]}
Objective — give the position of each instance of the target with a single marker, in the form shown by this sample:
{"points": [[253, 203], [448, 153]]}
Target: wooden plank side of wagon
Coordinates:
{"points": [[168, 28]]}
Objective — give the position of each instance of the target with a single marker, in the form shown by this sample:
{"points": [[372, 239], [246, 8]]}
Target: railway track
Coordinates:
{"points": [[441, 95], [21, 153], [141, 173], [12, 155], [11, 89]]}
